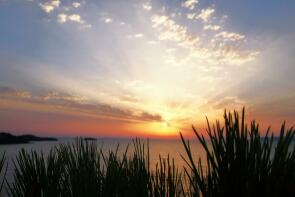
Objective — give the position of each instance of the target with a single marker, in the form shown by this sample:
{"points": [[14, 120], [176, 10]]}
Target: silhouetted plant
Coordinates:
{"points": [[240, 162], [3, 170], [36, 175], [167, 181], [81, 164], [80, 168]]}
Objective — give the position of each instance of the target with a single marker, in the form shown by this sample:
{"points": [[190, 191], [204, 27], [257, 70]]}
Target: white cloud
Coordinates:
{"points": [[205, 14], [219, 51], [191, 16], [152, 42], [229, 36], [139, 35], [169, 30], [147, 6], [190, 4], [76, 4], [62, 18], [170, 50], [55, 3], [75, 18], [212, 27], [49, 6], [108, 20]]}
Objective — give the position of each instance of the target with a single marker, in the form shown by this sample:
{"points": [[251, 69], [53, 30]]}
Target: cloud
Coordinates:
{"points": [[66, 97], [11, 92], [229, 36], [169, 30], [139, 35], [147, 6], [152, 42], [129, 98], [75, 18], [226, 102], [212, 27], [49, 6], [108, 20], [191, 16], [76, 4], [229, 102], [6, 91], [190, 4], [150, 117], [69, 103], [218, 51], [62, 18], [205, 14]]}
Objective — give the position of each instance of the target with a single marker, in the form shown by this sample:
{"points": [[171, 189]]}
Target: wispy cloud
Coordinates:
{"points": [[8, 91], [212, 27], [63, 18], [229, 36], [76, 4], [206, 14], [169, 29], [138, 35], [50, 5], [147, 6], [108, 20], [224, 102], [224, 47], [65, 102], [191, 16], [190, 4]]}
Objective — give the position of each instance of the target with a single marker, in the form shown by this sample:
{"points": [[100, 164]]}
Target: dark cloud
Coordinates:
{"points": [[7, 91], [76, 103], [11, 92], [150, 117]]}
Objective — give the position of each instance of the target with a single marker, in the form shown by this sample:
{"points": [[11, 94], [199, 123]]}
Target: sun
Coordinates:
{"points": [[166, 124]]}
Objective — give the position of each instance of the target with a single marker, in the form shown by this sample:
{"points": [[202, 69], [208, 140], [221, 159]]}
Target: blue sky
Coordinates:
{"points": [[157, 63]]}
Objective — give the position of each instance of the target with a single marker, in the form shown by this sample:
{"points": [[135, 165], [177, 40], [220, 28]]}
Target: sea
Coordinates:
{"points": [[157, 148]]}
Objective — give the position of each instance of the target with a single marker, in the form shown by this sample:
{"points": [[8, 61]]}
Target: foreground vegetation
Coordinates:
{"points": [[239, 162]]}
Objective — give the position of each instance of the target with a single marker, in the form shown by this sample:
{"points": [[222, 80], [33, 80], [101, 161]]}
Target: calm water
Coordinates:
{"points": [[157, 147]]}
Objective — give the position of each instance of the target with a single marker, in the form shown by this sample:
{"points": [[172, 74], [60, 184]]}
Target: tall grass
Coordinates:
{"points": [[82, 169], [167, 180], [3, 170], [239, 162], [37, 175]]}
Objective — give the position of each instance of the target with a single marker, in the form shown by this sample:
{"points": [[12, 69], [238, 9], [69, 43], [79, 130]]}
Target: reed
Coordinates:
{"points": [[36, 175], [81, 168], [239, 162], [3, 170], [81, 163], [167, 180]]}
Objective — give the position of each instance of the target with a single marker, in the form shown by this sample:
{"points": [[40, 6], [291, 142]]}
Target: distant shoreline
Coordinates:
{"points": [[7, 138]]}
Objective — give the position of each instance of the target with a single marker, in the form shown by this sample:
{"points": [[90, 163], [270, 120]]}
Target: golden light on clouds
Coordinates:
{"points": [[154, 67]]}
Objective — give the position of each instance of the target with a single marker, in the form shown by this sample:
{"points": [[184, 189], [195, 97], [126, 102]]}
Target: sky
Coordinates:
{"points": [[144, 67]]}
